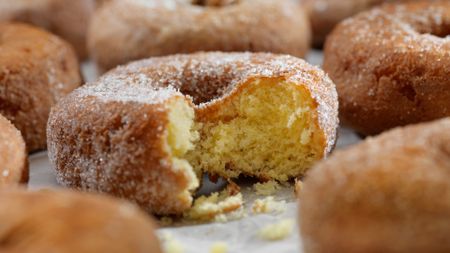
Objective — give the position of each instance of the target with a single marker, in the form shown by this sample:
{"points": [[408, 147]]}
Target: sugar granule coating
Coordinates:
{"points": [[147, 130], [388, 194], [65, 18], [391, 65], [13, 155], [122, 31], [36, 70]]}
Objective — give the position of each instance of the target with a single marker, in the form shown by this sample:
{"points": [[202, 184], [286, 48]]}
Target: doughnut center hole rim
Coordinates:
{"points": [[214, 3], [441, 31]]}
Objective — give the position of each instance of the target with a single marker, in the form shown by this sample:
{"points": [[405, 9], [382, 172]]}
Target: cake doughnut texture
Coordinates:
{"points": [[70, 222], [387, 194], [122, 31], [68, 19], [391, 65], [36, 69], [326, 14], [145, 131], [13, 155]]}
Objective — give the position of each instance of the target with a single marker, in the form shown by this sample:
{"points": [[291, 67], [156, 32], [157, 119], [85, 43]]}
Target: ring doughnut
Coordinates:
{"points": [[387, 194], [133, 133], [36, 69], [68, 19], [391, 65], [70, 222], [122, 31], [13, 155], [326, 14]]}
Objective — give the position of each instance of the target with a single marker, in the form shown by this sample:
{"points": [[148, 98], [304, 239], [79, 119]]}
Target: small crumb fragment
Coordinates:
{"points": [[208, 208], [277, 231], [219, 247], [233, 188], [170, 245], [235, 215], [298, 187], [165, 221], [268, 205], [267, 188]]}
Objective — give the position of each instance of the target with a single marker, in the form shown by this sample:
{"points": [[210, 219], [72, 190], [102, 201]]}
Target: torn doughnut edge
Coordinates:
{"points": [[237, 135]]}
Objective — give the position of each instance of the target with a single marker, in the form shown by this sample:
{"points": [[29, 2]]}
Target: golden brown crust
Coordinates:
{"points": [[127, 30], [36, 69], [13, 155], [387, 194], [391, 65], [62, 221], [326, 14], [68, 19], [110, 136]]}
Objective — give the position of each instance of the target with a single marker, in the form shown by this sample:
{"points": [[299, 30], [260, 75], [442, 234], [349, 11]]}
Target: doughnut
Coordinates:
{"points": [[146, 131], [387, 194], [36, 69], [70, 222], [66, 18], [122, 31], [13, 155], [326, 14], [391, 66]]}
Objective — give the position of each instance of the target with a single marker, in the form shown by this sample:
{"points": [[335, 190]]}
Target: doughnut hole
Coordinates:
{"points": [[268, 129], [180, 138], [440, 31], [214, 3]]}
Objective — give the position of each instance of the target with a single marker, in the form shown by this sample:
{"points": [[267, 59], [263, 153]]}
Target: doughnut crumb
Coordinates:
{"points": [[269, 130], [268, 205], [277, 231], [267, 188], [207, 208], [219, 247], [170, 244]]}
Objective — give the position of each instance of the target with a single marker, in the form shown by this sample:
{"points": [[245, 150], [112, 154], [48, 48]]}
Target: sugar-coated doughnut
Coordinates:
{"points": [[387, 194], [144, 131], [36, 69], [326, 14], [127, 30], [68, 19], [391, 65], [70, 222], [13, 155]]}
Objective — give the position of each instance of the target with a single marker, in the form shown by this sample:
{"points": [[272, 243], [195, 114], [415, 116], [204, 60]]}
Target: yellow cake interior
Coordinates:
{"points": [[267, 129], [180, 139]]}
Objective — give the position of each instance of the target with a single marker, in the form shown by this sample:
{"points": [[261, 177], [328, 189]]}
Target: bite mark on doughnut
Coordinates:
{"points": [[239, 136]]}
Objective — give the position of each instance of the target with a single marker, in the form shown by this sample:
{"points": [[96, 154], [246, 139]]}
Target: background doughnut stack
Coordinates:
{"points": [[214, 87]]}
